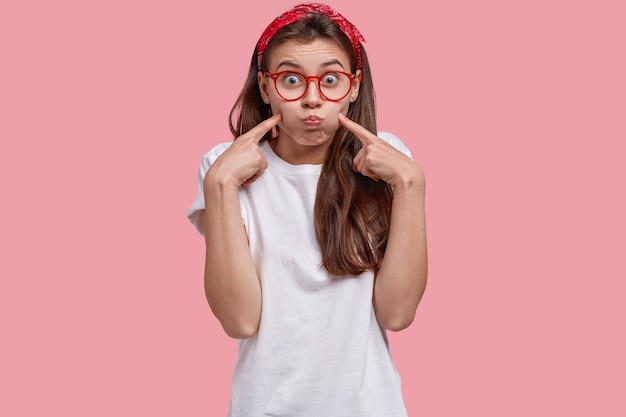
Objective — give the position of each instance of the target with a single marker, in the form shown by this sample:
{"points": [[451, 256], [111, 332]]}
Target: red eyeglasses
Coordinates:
{"points": [[292, 86]]}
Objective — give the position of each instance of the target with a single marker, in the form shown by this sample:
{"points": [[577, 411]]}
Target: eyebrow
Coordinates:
{"points": [[323, 64]]}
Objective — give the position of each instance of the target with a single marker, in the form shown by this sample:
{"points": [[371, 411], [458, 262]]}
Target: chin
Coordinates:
{"points": [[315, 138]]}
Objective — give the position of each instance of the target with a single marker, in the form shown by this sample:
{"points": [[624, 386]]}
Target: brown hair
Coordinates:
{"points": [[352, 211]]}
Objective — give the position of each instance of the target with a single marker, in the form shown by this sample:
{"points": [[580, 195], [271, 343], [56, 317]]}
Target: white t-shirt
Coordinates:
{"points": [[319, 350]]}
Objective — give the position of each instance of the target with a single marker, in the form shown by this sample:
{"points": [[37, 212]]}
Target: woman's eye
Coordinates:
{"points": [[329, 79], [291, 79]]}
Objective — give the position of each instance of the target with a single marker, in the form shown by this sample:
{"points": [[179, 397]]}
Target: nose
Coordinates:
{"points": [[312, 97]]}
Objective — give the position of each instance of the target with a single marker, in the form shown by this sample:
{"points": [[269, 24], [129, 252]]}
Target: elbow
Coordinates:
{"points": [[396, 322], [396, 313], [240, 329]]}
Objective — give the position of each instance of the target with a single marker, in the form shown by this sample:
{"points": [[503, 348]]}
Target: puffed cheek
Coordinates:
{"points": [[331, 125]]}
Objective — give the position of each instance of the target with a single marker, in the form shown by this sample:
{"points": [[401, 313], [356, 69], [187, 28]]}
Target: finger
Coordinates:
{"points": [[356, 161], [359, 131], [258, 131], [252, 179], [359, 164], [365, 171], [260, 170]]}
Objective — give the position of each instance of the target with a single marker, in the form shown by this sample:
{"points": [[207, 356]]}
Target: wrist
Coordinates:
{"points": [[213, 181], [412, 178]]}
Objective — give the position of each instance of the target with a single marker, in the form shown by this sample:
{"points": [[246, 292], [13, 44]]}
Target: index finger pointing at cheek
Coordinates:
{"points": [[359, 131], [258, 131]]}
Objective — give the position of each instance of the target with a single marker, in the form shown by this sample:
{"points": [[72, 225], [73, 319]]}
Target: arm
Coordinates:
{"points": [[231, 283], [401, 280]]}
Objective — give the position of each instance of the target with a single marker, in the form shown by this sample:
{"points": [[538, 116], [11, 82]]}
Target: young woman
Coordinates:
{"points": [[314, 226]]}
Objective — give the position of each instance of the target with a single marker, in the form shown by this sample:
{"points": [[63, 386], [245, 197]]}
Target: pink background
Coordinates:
{"points": [[515, 110]]}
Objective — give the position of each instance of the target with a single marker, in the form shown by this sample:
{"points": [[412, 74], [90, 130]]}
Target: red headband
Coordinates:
{"points": [[300, 12]]}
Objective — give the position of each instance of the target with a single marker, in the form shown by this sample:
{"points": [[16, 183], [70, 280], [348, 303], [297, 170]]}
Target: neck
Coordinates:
{"points": [[297, 154]]}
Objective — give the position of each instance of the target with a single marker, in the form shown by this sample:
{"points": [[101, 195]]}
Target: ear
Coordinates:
{"points": [[356, 84], [262, 80]]}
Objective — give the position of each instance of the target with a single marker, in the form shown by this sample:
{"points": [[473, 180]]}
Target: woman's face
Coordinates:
{"points": [[309, 123]]}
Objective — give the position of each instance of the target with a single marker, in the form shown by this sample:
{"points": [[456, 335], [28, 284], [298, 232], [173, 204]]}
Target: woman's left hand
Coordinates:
{"points": [[378, 159]]}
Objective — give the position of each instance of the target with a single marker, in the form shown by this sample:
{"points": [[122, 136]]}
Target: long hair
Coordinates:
{"points": [[352, 212]]}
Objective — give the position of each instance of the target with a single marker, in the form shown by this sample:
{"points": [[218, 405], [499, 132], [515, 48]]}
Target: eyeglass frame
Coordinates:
{"points": [[307, 80]]}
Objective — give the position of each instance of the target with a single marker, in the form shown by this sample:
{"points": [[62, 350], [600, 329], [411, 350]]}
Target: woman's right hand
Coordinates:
{"points": [[243, 162]]}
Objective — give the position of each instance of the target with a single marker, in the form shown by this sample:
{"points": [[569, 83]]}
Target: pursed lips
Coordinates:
{"points": [[312, 121]]}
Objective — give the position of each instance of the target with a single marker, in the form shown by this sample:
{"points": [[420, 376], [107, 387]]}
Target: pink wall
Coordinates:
{"points": [[515, 112]]}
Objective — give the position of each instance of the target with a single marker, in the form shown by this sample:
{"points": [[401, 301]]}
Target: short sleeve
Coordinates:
{"points": [[195, 212], [394, 141]]}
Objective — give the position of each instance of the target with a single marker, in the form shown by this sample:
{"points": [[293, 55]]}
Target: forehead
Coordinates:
{"points": [[317, 53]]}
